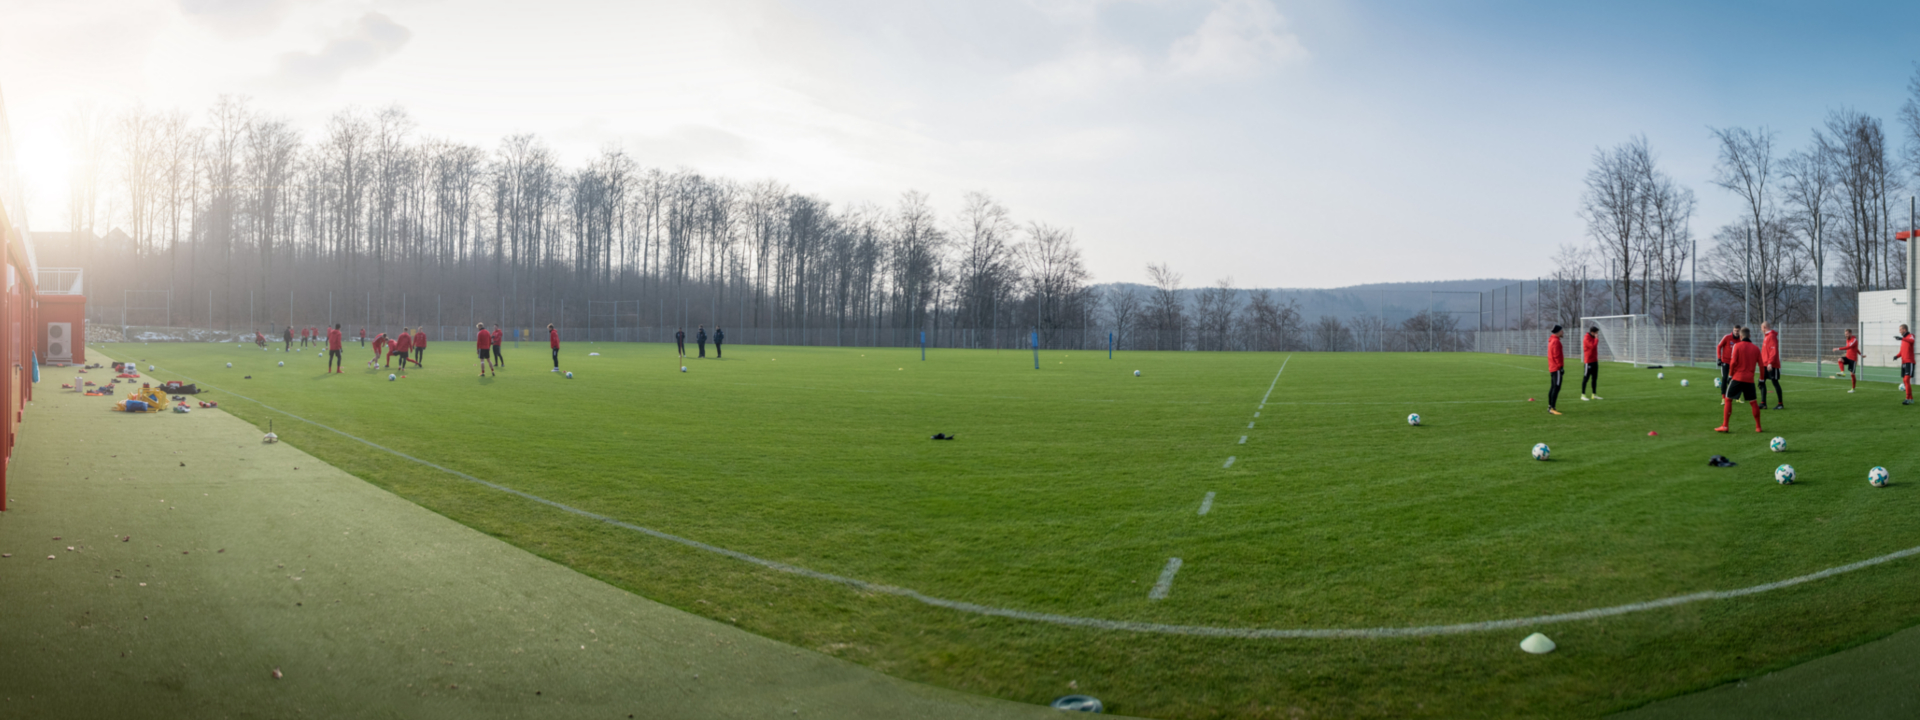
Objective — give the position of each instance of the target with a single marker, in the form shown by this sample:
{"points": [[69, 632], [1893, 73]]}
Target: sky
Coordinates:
{"points": [[1271, 142]]}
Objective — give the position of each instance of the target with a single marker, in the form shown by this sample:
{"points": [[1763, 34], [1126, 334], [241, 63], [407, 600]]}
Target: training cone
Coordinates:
{"points": [[1537, 644]]}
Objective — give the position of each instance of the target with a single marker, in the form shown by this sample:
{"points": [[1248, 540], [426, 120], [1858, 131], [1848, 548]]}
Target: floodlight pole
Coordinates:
{"points": [[1913, 265], [1693, 297]]}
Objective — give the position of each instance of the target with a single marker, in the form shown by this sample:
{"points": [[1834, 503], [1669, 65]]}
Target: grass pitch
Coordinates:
{"points": [[1069, 489]]}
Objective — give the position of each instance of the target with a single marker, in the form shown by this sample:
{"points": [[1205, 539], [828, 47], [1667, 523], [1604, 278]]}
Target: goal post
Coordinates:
{"points": [[1635, 339]]}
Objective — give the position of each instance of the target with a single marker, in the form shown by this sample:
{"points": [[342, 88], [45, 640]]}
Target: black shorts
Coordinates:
{"points": [[1593, 368], [1737, 390], [1772, 374], [1847, 365], [1906, 369], [485, 354]]}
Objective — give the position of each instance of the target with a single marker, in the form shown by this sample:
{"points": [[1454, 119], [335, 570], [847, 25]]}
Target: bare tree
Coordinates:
{"points": [[1746, 168], [1613, 206], [1811, 187], [1165, 313], [1329, 335]]}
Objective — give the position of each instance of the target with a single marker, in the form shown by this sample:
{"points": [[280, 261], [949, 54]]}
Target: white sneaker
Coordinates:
{"points": [[1849, 392], [1596, 397], [1583, 398]]}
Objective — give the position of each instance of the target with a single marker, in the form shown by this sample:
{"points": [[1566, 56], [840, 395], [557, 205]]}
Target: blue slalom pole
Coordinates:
{"points": [[923, 346], [1109, 346], [1036, 349]]}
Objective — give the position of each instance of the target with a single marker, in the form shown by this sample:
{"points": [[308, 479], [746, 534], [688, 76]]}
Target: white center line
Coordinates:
{"points": [[1249, 426], [1229, 462], [1243, 439], [1276, 381], [1165, 583], [1258, 414], [1206, 503]]}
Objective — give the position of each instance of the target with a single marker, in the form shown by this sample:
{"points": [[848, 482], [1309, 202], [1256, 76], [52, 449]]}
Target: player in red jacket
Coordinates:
{"points": [[363, 337], [419, 345], [1590, 356], [1770, 365], [1743, 360], [402, 346], [380, 343], [483, 341], [1556, 370], [499, 339], [553, 341], [335, 361], [1721, 354], [1906, 363], [1850, 359]]}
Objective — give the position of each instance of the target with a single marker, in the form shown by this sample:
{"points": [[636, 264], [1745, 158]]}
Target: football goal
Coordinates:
{"points": [[1636, 339]]}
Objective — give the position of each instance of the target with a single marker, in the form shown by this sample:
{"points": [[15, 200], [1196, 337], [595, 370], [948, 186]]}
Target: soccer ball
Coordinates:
{"points": [[391, 377], [1413, 419], [229, 366], [1540, 451], [569, 375], [1877, 477], [283, 363], [1783, 474], [1777, 444], [1683, 382], [1659, 376], [149, 368], [1136, 373], [1716, 382], [683, 368]]}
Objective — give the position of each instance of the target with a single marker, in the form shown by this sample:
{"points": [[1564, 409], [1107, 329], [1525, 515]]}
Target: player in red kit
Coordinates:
{"points": [[1590, 356], [402, 346], [1743, 360], [483, 341], [1721, 355], [335, 361], [553, 341], [1906, 364], [499, 339], [1770, 366], [1850, 359], [380, 343], [419, 345], [1556, 369]]}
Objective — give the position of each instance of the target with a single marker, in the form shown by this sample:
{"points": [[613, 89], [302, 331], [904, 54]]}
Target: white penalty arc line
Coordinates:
{"points": [[1127, 625]]}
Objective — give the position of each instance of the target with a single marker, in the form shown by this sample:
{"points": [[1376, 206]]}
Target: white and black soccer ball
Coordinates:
{"points": [[149, 368], [283, 363], [229, 366], [1136, 373], [1778, 444], [569, 374], [392, 377], [1541, 451], [1659, 376], [1683, 382], [1878, 477], [1716, 382], [683, 368], [1783, 474], [1414, 419]]}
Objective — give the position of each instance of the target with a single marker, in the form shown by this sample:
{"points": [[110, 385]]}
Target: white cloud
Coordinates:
{"points": [[372, 38], [1232, 38], [237, 18], [1237, 36]]}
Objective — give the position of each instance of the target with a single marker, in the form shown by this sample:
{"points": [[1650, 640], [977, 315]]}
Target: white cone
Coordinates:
{"points": [[1537, 644]]}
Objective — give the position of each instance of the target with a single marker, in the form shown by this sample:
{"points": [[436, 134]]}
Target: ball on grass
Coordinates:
{"points": [[391, 377], [1660, 376], [283, 363], [1413, 419], [1778, 444], [569, 374], [1783, 474], [1716, 382], [1683, 383], [1136, 373], [229, 365], [1541, 452], [1878, 477], [683, 368]]}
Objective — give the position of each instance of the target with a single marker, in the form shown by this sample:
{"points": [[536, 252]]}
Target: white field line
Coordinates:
{"points": [[1249, 426], [1128, 625], [1229, 462], [1243, 439], [1256, 414], [1276, 381], [1165, 584], [1206, 503]]}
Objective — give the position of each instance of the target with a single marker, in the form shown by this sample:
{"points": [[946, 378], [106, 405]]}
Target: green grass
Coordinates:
{"points": [[1069, 488]]}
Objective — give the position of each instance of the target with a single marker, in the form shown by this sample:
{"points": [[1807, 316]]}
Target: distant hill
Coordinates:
{"points": [[1393, 301]]}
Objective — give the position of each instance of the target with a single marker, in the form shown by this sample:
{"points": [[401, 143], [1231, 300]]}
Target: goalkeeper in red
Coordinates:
{"points": [[1743, 360], [1590, 356], [1850, 359]]}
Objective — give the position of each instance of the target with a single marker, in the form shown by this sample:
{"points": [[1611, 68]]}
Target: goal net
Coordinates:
{"points": [[1636, 339]]}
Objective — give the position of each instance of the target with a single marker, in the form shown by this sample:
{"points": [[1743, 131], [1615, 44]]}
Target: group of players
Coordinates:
{"points": [[1745, 369], [410, 344]]}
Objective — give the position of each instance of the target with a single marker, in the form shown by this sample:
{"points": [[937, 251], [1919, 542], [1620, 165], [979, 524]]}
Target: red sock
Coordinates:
{"points": [[1756, 414], [1855, 379], [1726, 410]]}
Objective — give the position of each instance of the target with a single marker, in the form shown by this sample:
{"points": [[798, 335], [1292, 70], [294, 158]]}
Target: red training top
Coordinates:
{"points": [[420, 338], [1589, 348], [403, 343], [1770, 350], [1720, 352], [333, 339], [483, 339], [379, 341], [1906, 348], [1556, 358], [553, 338], [363, 333], [1744, 358], [1851, 349], [498, 337]]}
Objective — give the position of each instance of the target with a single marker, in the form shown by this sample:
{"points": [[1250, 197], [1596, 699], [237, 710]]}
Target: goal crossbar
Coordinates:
{"points": [[1635, 339]]}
